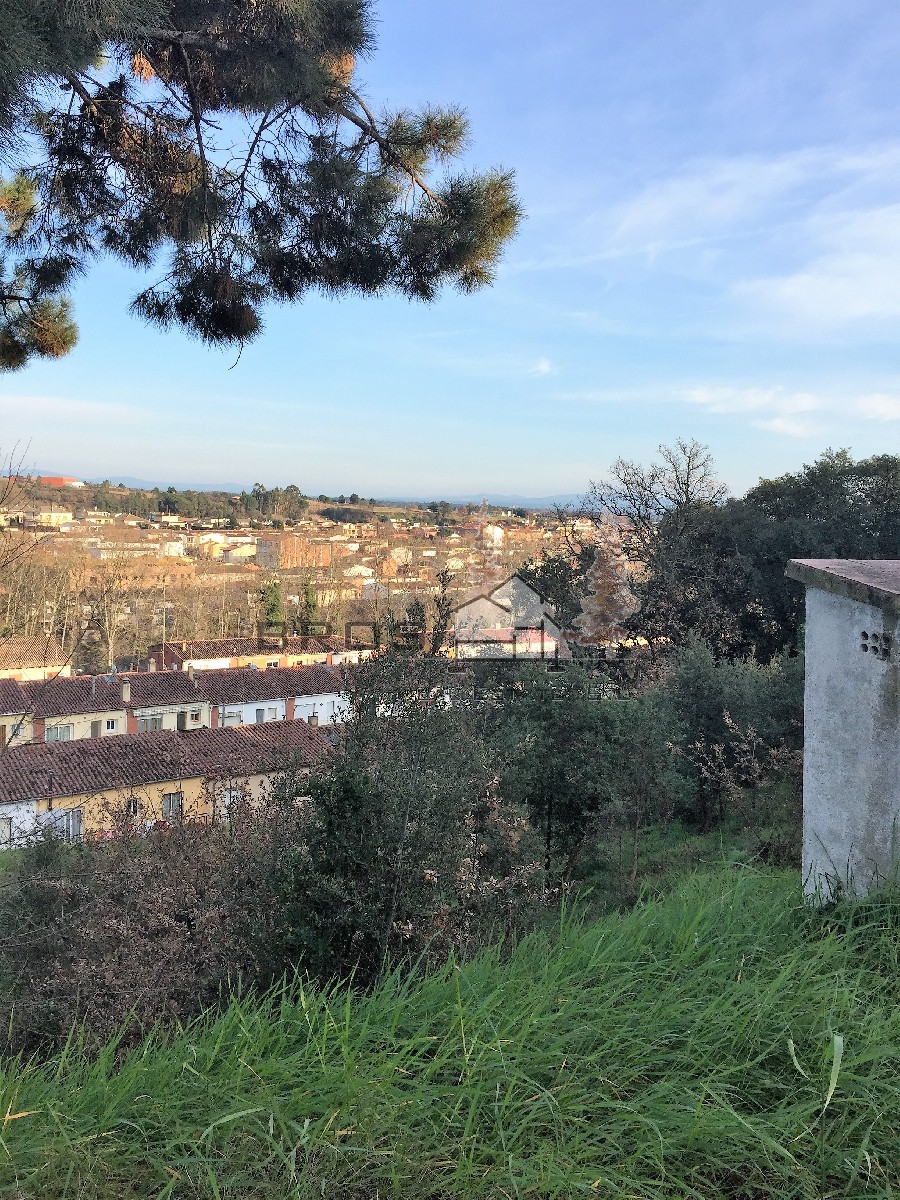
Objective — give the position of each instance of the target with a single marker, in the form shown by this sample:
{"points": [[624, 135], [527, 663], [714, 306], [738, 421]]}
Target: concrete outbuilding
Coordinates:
{"points": [[851, 760]]}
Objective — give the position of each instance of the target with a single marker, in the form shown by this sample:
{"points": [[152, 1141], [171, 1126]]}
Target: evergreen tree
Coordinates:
{"points": [[225, 145], [271, 606]]}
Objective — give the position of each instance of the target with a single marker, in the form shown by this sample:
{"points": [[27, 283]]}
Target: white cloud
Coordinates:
{"points": [[855, 275], [710, 200], [753, 400], [543, 366], [794, 413], [879, 407], [789, 426], [719, 198], [795, 245]]}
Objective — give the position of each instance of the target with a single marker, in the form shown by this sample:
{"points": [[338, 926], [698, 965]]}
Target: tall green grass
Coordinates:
{"points": [[721, 1041]]}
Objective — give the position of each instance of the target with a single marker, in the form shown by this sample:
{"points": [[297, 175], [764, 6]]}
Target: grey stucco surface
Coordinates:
{"points": [[851, 766]]}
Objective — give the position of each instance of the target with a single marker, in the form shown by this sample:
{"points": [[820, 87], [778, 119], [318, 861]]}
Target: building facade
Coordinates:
{"points": [[89, 788], [851, 758]]}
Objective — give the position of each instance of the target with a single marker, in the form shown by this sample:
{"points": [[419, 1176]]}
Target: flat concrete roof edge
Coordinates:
{"points": [[875, 582]]}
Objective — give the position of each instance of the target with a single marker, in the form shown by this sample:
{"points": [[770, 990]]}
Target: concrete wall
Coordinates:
{"points": [[245, 714], [328, 707], [81, 723], [18, 823], [19, 729], [851, 770], [301, 708], [169, 714]]}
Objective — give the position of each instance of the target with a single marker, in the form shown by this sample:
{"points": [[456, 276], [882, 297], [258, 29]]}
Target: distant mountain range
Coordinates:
{"points": [[500, 499], [148, 484]]}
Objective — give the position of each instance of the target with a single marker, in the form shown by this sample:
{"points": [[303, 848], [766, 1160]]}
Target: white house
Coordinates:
{"points": [[248, 697], [511, 621], [851, 760]]}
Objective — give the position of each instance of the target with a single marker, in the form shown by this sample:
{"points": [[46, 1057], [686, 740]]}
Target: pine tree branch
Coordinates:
{"points": [[195, 112], [371, 130], [266, 123], [78, 87], [182, 36]]}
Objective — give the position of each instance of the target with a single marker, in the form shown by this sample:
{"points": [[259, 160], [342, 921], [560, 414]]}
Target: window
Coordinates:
{"points": [[69, 823], [5, 833], [273, 663], [149, 724], [172, 806], [260, 715], [2, 736], [231, 797], [112, 725], [132, 807], [273, 714], [59, 733], [195, 716], [95, 729]]}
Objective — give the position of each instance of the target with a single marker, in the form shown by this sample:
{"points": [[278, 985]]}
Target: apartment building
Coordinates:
{"points": [[246, 697], [38, 657], [217, 653], [85, 706], [85, 789]]}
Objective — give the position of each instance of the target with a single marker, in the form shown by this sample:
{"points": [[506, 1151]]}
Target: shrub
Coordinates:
{"points": [[120, 934], [406, 847]]}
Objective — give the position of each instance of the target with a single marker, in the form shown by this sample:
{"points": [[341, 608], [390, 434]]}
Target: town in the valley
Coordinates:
{"points": [[164, 664]]}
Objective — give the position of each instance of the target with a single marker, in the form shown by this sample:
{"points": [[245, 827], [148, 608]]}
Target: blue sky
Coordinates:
{"points": [[712, 250]]}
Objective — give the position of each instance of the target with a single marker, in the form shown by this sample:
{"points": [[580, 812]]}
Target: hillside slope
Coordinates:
{"points": [[722, 1041]]}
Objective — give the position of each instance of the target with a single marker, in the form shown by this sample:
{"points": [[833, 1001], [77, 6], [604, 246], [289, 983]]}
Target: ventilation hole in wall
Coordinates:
{"points": [[864, 648], [864, 636]]}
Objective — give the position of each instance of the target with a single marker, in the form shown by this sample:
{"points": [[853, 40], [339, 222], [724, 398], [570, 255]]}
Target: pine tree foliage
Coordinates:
{"points": [[225, 145]]}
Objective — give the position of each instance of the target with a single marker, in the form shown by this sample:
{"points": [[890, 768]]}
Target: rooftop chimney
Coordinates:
{"points": [[191, 672], [151, 665], [126, 691], [313, 719]]}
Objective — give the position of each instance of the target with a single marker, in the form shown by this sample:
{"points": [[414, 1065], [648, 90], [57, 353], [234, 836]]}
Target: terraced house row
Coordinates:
{"points": [[87, 789], [73, 708]]}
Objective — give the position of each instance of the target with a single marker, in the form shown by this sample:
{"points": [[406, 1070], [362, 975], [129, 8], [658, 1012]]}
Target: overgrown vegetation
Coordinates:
{"points": [[710, 566], [447, 817], [724, 1041], [470, 955]]}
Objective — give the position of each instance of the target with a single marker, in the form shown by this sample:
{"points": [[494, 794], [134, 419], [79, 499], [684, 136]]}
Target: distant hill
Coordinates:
{"points": [[501, 499], [148, 485]]}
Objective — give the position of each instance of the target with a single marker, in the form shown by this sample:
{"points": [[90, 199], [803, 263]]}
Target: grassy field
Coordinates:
{"points": [[719, 1041]]}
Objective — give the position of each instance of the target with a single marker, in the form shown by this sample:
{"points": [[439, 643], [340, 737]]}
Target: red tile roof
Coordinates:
{"points": [[18, 653], [60, 697], [12, 699], [134, 760], [246, 647], [103, 693], [241, 685]]}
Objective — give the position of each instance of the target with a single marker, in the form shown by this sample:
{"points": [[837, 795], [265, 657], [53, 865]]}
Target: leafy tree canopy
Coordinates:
{"points": [[713, 567], [225, 146]]}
